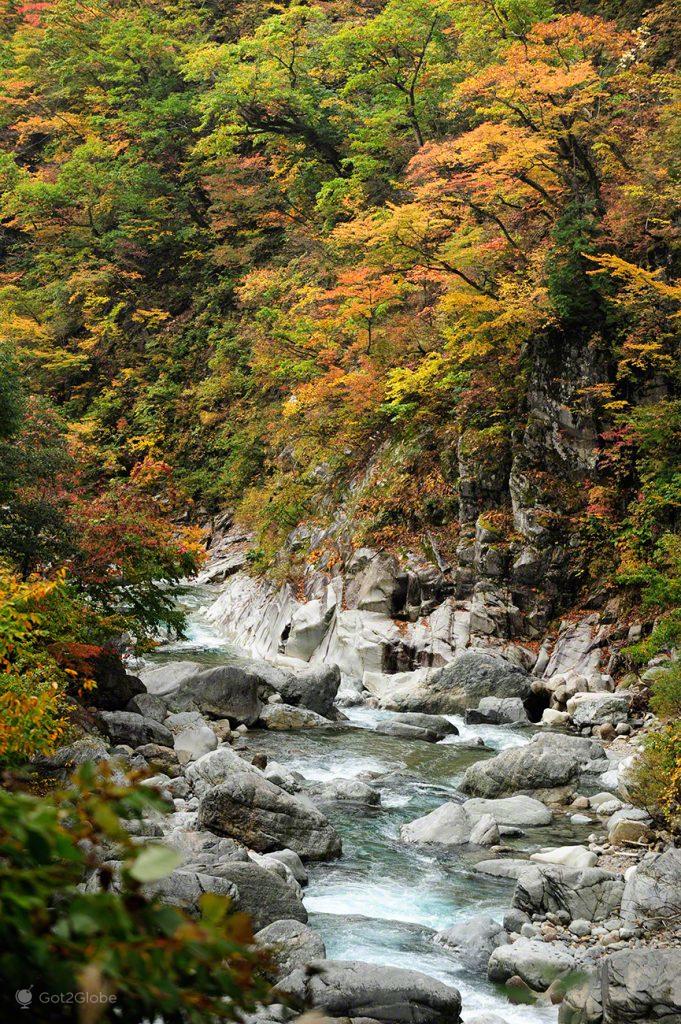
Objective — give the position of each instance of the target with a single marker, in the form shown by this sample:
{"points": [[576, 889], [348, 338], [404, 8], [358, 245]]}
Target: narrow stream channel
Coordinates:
{"points": [[383, 900]]}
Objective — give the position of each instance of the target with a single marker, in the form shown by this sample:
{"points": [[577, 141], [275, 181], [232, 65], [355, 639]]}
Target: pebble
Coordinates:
{"points": [[528, 931], [580, 819], [580, 927]]}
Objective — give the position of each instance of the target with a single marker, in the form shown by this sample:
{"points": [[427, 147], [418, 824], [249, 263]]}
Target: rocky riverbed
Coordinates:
{"points": [[409, 865]]}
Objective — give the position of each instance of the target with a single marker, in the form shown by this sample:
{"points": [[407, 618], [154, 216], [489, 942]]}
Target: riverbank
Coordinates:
{"points": [[483, 918]]}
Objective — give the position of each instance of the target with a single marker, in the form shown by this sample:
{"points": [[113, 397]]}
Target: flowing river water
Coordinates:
{"points": [[382, 901]]}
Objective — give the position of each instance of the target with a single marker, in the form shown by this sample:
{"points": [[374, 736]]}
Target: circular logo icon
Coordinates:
{"points": [[24, 997]]}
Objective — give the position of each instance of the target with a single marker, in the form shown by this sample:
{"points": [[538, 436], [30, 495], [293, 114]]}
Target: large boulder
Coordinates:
{"points": [[518, 811], [282, 717], [598, 708], [248, 808], [227, 691], [290, 944], [390, 994], [352, 791], [193, 736], [215, 767], [314, 688], [473, 941], [642, 985], [447, 825], [133, 730], [185, 887], [405, 731], [550, 760], [539, 964], [461, 684], [590, 894], [653, 889], [631, 986], [261, 894], [437, 724], [498, 711]]}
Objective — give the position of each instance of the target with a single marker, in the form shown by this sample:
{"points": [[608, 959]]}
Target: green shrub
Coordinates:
{"points": [[117, 950], [656, 783]]}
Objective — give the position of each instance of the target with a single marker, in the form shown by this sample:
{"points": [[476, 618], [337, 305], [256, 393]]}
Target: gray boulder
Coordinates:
{"points": [[631, 986], [447, 825], [653, 889], [485, 832], [134, 730], [185, 887], [598, 708], [248, 808], [290, 944], [148, 705], [352, 791], [164, 679], [550, 760], [462, 684], [293, 862], [498, 711], [511, 810], [539, 964], [202, 849], [227, 691], [642, 985], [405, 731], [215, 767], [281, 717], [261, 894], [590, 894], [473, 941], [389, 994], [437, 724], [314, 688]]}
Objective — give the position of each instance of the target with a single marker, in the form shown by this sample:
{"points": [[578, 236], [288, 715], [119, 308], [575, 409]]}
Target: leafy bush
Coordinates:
{"points": [[657, 779], [32, 685], [121, 949], [656, 784]]}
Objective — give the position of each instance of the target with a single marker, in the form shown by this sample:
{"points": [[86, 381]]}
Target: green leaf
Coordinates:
{"points": [[155, 862]]}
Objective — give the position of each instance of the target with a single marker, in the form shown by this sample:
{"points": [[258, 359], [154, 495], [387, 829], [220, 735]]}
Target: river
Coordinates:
{"points": [[383, 900]]}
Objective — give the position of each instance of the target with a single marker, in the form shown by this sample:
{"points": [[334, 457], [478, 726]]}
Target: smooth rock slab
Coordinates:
{"points": [[577, 857], [512, 810], [390, 994], [537, 963], [248, 808], [352, 791]]}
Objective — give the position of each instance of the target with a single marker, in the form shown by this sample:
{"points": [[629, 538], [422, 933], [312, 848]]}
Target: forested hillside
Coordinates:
{"points": [[376, 301], [413, 260]]}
